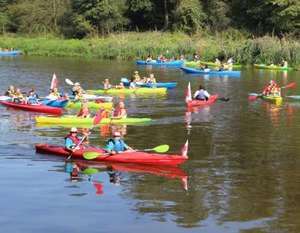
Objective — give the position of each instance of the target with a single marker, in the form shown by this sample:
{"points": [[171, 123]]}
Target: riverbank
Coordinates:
{"points": [[132, 45]]}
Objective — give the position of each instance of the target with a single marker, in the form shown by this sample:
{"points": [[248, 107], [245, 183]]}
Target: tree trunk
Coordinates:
{"points": [[166, 20]]}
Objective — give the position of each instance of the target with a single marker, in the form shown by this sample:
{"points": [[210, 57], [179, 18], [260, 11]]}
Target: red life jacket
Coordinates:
{"points": [[117, 112], [74, 139]]}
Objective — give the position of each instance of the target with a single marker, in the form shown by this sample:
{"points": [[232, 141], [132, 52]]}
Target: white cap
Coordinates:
{"points": [[77, 84], [73, 130]]}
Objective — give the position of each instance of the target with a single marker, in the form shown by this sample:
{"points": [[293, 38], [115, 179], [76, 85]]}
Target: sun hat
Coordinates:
{"points": [[73, 130]]}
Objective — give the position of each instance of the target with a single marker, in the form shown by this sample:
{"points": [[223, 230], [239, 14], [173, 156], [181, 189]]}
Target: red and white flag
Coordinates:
{"points": [[185, 149], [53, 82], [188, 93]]}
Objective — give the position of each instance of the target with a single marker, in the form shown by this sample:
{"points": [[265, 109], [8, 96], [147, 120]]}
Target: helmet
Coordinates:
{"points": [[73, 130]]}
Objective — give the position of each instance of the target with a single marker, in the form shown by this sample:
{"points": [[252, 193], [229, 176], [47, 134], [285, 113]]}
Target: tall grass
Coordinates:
{"points": [[133, 45]]}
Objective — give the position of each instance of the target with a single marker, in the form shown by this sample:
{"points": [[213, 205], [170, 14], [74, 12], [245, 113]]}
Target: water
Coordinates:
{"points": [[243, 172]]}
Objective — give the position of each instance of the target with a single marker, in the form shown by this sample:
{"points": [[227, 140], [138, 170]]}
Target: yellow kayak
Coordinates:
{"points": [[273, 99], [91, 105]]}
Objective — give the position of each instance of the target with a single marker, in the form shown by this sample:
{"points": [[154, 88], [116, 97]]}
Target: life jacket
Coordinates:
{"points": [[74, 139], [84, 112], [118, 111], [119, 145]]}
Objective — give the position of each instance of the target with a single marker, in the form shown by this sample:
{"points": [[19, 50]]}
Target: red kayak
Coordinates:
{"points": [[198, 103], [33, 108], [125, 157]]}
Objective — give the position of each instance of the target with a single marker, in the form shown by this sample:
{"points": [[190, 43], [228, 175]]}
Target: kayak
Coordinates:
{"points": [[10, 53], [211, 72], [168, 85], [293, 97], [5, 98], [198, 103], [34, 108], [74, 120], [196, 64], [137, 91], [271, 67], [138, 157], [91, 105], [175, 63], [55, 103], [273, 99], [95, 97]]}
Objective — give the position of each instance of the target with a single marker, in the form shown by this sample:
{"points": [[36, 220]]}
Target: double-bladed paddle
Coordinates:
{"points": [[94, 154]]}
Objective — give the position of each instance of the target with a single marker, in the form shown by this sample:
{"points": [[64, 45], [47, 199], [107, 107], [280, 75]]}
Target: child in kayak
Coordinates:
{"points": [[106, 84], [133, 84], [18, 97], [120, 111], [32, 98], [72, 141], [272, 89], [84, 110], [201, 94], [116, 144], [54, 94], [11, 91], [151, 79]]}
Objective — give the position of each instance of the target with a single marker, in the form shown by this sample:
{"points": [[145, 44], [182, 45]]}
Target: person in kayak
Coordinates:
{"points": [[120, 111], [32, 97], [18, 97], [151, 79], [136, 76], [116, 144], [72, 141], [284, 63], [271, 89], [106, 84], [84, 110], [54, 94], [201, 94], [133, 84], [149, 58], [11, 91]]}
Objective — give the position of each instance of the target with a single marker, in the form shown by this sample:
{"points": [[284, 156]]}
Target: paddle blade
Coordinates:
{"points": [[90, 171], [91, 155], [68, 81], [290, 85], [161, 148], [98, 117]]}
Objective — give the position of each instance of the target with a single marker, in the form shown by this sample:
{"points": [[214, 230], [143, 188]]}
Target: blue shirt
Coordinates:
{"points": [[69, 144], [32, 100], [117, 145]]}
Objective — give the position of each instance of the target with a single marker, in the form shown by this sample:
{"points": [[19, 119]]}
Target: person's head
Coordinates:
{"points": [[117, 135], [151, 75], [136, 72], [55, 89], [201, 87], [121, 84], [272, 82], [73, 131], [106, 80], [76, 84], [11, 87], [18, 91], [121, 104]]}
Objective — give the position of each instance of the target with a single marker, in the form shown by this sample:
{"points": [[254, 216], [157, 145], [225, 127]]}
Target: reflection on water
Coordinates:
{"points": [[242, 174]]}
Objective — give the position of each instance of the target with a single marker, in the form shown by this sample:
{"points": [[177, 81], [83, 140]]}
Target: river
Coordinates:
{"points": [[242, 174]]}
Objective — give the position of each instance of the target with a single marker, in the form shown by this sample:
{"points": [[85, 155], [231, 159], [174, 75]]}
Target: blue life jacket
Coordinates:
{"points": [[116, 145]]}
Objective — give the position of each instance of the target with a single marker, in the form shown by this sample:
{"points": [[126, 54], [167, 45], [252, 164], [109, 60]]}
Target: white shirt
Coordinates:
{"points": [[202, 94]]}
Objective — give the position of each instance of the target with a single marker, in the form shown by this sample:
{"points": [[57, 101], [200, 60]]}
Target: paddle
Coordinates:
{"points": [[225, 99], [93, 154], [68, 81], [254, 96], [78, 144]]}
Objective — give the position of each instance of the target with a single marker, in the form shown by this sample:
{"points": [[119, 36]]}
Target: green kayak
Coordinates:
{"points": [[137, 91], [74, 120], [271, 67], [91, 105], [196, 64], [273, 99]]}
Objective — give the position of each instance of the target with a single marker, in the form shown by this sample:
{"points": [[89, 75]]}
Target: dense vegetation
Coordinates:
{"points": [[252, 31]]}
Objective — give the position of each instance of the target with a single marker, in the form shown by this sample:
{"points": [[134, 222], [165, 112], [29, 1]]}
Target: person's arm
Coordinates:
{"points": [[109, 147], [195, 95], [206, 94], [127, 147], [69, 144]]}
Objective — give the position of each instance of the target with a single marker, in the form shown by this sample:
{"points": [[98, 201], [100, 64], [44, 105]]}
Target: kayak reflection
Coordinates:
{"points": [[84, 170]]}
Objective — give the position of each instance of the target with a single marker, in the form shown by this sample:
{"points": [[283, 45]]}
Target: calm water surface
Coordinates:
{"points": [[243, 172]]}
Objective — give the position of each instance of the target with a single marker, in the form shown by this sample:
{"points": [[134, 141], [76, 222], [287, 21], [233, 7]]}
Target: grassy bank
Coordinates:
{"points": [[128, 46]]}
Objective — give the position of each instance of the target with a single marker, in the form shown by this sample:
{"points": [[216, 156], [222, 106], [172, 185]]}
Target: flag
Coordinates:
{"points": [[98, 117], [184, 182], [99, 187], [184, 149], [188, 93], [53, 82]]}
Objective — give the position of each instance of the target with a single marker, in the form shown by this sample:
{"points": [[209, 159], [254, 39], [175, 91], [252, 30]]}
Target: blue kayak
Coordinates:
{"points": [[55, 103], [175, 63], [211, 72], [168, 85], [10, 53]]}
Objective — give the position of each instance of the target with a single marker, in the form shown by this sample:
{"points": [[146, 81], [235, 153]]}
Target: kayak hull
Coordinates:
{"points": [[168, 85], [91, 105], [10, 53], [125, 157], [137, 91], [74, 120], [55, 103], [33, 108], [176, 63], [273, 99], [198, 103], [270, 67], [233, 73], [196, 64]]}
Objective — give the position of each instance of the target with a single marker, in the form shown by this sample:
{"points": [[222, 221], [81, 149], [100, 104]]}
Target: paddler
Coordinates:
{"points": [[284, 63], [120, 111], [84, 110], [72, 141], [54, 94], [272, 89], [76, 89], [151, 79], [201, 94], [116, 144], [136, 76], [106, 84], [133, 84], [18, 96], [32, 97], [11, 91]]}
